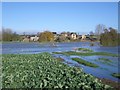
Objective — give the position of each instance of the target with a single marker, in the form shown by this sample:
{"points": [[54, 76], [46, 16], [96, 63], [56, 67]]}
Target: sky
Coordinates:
{"points": [[80, 17]]}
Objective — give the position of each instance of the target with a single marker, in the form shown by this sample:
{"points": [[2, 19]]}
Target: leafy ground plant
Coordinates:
{"points": [[86, 63], [44, 71]]}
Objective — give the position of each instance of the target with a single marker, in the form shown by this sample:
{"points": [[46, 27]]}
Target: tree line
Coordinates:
{"points": [[9, 35], [106, 36]]}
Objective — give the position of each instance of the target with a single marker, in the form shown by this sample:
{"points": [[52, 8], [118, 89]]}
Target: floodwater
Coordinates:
{"points": [[103, 71]]}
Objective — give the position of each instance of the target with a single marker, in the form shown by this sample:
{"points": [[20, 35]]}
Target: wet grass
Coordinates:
{"points": [[86, 54], [85, 50], [59, 59], [117, 75], [86, 63], [104, 61]]}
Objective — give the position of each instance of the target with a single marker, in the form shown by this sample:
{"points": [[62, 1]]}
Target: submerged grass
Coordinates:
{"points": [[86, 63], [85, 50], [44, 71], [104, 61], [87, 53]]}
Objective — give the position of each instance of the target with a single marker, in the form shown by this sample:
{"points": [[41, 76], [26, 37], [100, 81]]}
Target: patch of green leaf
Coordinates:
{"points": [[44, 71]]}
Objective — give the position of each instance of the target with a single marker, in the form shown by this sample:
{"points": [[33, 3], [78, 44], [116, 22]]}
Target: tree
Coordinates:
{"points": [[109, 37], [46, 36], [99, 29], [8, 35], [91, 33]]}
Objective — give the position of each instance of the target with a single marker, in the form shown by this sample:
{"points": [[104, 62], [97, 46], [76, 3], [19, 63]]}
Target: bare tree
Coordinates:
{"points": [[99, 29]]}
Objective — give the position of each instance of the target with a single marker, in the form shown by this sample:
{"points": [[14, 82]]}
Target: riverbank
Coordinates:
{"points": [[44, 71], [115, 85]]}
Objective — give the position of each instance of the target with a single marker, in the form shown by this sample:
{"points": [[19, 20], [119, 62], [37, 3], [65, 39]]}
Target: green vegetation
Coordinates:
{"points": [[44, 71], [117, 75], [109, 37], [60, 59], [86, 63], [85, 50], [86, 54], [9, 35], [104, 61]]}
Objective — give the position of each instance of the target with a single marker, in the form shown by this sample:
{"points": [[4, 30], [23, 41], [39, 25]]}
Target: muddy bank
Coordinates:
{"points": [[114, 84]]}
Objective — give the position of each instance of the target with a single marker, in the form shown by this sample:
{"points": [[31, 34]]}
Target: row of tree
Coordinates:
{"points": [[107, 37], [9, 35]]}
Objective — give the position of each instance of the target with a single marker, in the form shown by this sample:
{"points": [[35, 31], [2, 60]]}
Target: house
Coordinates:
{"points": [[34, 38], [54, 33], [29, 38], [83, 37], [64, 34], [74, 36], [26, 39]]}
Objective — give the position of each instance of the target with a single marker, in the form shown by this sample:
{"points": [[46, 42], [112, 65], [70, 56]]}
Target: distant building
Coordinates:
{"points": [[83, 37], [54, 33], [26, 39], [34, 38], [29, 38], [64, 34], [74, 36]]}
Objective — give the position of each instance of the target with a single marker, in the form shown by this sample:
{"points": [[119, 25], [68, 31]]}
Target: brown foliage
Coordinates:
{"points": [[46, 36]]}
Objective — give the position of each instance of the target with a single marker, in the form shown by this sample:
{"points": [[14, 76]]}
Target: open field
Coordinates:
{"points": [[44, 71]]}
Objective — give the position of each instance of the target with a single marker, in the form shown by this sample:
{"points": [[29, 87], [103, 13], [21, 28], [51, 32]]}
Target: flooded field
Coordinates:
{"points": [[105, 69]]}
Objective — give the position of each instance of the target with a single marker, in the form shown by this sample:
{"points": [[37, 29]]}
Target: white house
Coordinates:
{"points": [[73, 35], [83, 37], [34, 38]]}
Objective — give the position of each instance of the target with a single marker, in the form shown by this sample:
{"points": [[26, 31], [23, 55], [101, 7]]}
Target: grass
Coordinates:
{"points": [[85, 50], [60, 59], [44, 71], [86, 63], [104, 61], [117, 75], [87, 53]]}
